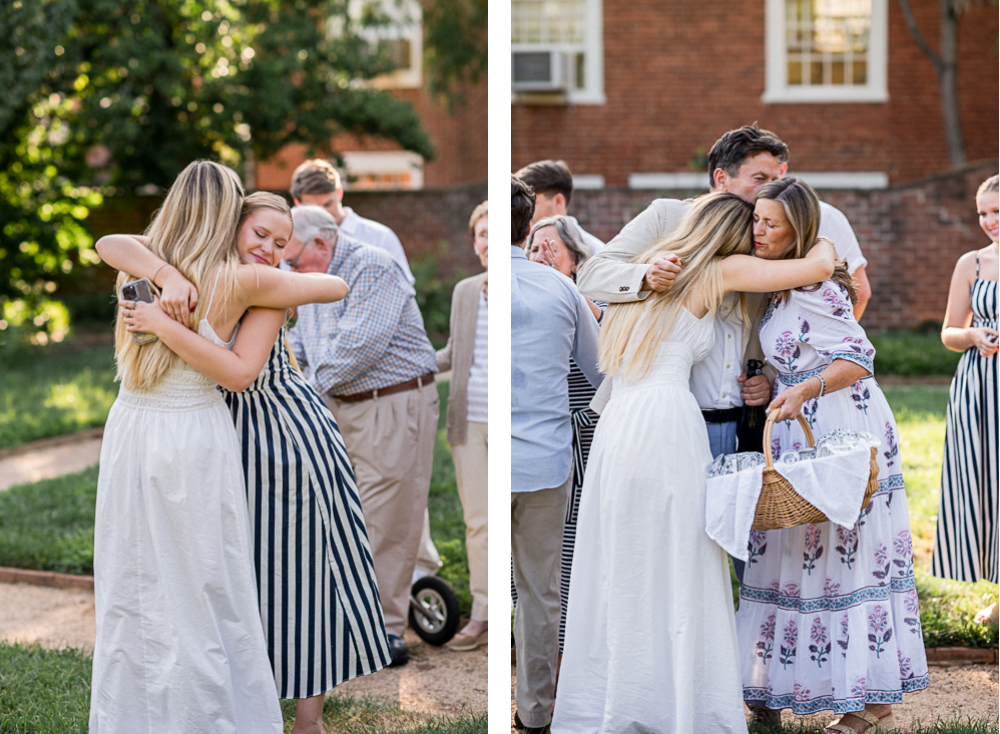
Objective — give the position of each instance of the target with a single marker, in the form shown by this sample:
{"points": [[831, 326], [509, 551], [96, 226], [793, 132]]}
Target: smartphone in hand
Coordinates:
{"points": [[139, 290]]}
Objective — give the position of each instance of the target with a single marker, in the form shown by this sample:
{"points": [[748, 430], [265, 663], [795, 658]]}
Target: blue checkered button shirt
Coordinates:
{"points": [[372, 339]]}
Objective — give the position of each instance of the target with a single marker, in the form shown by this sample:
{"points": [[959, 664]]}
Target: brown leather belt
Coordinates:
{"points": [[413, 384]]}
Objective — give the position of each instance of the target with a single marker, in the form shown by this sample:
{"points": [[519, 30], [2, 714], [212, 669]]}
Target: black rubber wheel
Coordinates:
{"points": [[438, 621]]}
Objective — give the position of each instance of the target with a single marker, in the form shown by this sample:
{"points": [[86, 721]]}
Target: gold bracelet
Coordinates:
{"points": [[156, 272]]}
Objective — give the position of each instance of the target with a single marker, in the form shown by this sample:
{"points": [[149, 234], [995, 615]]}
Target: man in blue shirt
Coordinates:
{"points": [[549, 323]]}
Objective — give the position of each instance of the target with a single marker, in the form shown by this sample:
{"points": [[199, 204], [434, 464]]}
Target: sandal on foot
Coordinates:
{"points": [[875, 724]]}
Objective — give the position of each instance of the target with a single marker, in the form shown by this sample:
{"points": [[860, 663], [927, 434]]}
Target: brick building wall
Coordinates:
{"points": [[459, 136], [679, 74], [912, 236]]}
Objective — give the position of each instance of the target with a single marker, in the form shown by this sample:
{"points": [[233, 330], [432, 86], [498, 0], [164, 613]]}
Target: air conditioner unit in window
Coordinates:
{"points": [[541, 70]]}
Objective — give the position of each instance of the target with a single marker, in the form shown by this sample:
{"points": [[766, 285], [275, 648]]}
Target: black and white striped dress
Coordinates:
{"points": [[316, 585], [581, 392], [965, 546]]}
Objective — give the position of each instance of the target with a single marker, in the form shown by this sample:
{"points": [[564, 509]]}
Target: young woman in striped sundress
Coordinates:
{"points": [[316, 584], [965, 546]]}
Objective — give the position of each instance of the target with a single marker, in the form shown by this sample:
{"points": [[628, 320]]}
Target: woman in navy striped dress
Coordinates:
{"points": [[965, 547], [316, 583]]}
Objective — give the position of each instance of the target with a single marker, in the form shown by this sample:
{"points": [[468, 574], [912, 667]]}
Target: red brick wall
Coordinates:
{"points": [[459, 137], [912, 236], [679, 74]]}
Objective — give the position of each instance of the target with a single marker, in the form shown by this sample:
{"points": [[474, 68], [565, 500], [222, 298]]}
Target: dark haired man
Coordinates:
{"points": [[552, 183], [549, 323]]}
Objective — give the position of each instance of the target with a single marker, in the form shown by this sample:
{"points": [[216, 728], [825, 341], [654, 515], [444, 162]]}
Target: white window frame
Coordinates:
{"points": [[593, 67], [370, 162], [408, 25], [776, 81]]}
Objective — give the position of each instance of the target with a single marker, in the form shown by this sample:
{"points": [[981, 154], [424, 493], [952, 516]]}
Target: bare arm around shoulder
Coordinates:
{"points": [[957, 332], [234, 370], [281, 289], [610, 276], [130, 254], [756, 275]]}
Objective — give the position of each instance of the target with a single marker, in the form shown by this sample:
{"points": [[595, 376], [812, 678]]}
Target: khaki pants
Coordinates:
{"points": [[391, 444], [470, 472], [536, 525]]}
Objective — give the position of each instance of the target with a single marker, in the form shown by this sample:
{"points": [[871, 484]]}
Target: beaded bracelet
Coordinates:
{"points": [[822, 389]]}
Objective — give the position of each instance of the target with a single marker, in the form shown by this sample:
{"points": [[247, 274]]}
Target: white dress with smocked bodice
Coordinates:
{"points": [[180, 647], [650, 636]]}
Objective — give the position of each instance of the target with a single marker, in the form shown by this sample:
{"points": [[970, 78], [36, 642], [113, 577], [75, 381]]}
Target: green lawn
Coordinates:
{"points": [[45, 393]]}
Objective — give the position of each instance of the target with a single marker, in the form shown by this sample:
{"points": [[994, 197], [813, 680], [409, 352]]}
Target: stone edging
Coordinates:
{"points": [[46, 578], [47, 443]]}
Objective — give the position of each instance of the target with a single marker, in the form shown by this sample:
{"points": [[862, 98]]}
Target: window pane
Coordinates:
{"points": [[547, 21], [832, 34]]}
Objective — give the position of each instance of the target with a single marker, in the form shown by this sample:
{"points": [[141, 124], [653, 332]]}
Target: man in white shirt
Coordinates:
{"points": [[552, 184], [317, 182]]}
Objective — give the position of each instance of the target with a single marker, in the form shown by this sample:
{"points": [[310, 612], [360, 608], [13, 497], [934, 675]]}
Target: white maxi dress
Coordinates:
{"points": [[180, 646], [650, 635]]}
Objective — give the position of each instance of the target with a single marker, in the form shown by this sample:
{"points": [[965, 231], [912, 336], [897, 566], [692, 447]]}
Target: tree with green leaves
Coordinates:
{"points": [[111, 96]]}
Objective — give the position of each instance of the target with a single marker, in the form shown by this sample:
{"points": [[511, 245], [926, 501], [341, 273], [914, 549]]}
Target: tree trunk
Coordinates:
{"points": [[948, 83], [946, 67]]}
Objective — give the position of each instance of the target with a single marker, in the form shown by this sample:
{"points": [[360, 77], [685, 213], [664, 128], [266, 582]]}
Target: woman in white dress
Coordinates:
{"points": [[650, 636], [828, 615], [180, 646]]}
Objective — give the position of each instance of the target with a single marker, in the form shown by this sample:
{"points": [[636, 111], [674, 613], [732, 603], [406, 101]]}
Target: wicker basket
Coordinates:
{"points": [[780, 506]]}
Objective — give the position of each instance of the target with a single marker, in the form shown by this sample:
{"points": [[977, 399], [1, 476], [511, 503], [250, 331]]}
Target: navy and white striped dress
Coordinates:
{"points": [[965, 546], [319, 601]]}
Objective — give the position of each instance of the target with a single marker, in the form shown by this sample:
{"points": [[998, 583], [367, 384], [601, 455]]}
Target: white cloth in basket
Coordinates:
{"points": [[835, 485]]}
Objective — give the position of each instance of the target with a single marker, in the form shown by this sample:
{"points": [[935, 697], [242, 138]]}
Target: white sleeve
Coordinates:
{"points": [[834, 226]]}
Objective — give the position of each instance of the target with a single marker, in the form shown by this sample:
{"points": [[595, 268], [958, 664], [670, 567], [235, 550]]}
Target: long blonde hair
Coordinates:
{"points": [[718, 225], [195, 231]]}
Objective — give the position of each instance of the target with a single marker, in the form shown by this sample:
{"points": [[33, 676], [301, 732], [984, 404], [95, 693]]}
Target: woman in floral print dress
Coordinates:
{"points": [[828, 615]]}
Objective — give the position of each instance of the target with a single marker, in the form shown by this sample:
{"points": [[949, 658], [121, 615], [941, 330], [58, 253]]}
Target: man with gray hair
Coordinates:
{"points": [[369, 357]]}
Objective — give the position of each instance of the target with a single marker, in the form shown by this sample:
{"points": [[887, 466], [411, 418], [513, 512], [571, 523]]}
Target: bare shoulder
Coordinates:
{"points": [[966, 265]]}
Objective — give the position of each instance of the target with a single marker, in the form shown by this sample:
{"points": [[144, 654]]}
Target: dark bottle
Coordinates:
{"points": [[750, 432]]}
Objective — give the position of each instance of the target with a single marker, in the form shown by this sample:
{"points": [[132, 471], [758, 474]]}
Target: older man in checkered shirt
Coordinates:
{"points": [[369, 357]]}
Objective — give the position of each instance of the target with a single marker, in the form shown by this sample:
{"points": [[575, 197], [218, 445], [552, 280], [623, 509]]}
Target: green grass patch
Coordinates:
{"points": [[913, 354], [49, 525], [48, 392], [44, 691]]}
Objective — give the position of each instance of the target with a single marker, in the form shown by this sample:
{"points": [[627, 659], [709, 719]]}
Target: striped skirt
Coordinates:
{"points": [[316, 584]]}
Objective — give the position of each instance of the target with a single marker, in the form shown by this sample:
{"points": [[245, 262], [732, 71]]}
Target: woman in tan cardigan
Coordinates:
{"points": [[465, 356]]}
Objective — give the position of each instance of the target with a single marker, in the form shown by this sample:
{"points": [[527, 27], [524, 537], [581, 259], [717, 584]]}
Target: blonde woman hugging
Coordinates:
{"points": [[650, 635]]}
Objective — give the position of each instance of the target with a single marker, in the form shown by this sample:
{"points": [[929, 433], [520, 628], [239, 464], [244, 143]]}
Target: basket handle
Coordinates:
{"points": [[769, 450]]}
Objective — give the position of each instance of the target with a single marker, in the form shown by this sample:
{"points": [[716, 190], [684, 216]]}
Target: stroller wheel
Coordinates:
{"points": [[433, 610]]}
